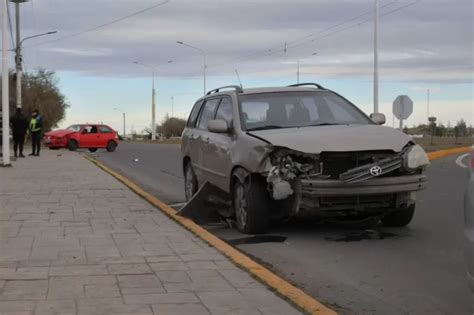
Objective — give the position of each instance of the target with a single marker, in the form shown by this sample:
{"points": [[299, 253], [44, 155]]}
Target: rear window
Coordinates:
{"points": [[105, 129]]}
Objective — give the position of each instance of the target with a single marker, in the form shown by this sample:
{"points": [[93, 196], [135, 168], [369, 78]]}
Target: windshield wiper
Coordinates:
{"points": [[324, 124], [266, 127]]}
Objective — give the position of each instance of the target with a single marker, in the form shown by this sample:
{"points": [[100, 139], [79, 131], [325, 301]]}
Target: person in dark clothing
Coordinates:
{"points": [[19, 125], [36, 127]]}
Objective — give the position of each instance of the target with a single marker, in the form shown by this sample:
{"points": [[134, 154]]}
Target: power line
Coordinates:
{"points": [[102, 25], [311, 38]]}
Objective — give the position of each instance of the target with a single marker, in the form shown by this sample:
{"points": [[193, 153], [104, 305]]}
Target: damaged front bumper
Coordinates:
{"points": [[315, 195]]}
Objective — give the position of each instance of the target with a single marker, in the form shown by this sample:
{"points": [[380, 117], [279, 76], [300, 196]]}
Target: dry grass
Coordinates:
{"points": [[440, 143]]}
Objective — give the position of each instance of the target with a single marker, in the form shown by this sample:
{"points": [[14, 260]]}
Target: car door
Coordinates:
{"points": [[105, 134], [201, 139], [216, 149], [89, 137], [188, 146]]}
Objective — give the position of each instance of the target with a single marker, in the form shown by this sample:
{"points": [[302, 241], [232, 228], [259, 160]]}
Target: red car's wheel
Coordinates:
{"points": [[111, 146], [72, 145]]}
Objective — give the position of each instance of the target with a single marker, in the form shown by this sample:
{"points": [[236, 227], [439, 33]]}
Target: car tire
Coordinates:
{"points": [[72, 145], [111, 146], [190, 181], [251, 203], [399, 218], [92, 150]]}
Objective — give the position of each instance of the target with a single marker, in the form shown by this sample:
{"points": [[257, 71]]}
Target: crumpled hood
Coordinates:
{"points": [[59, 133], [338, 138]]}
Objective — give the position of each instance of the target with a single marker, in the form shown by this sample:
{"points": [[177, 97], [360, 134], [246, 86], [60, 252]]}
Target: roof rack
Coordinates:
{"points": [[237, 88], [306, 84]]}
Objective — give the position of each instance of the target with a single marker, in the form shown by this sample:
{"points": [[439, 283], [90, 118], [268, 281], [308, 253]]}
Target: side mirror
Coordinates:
{"points": [[378, 118], [218, 126]]}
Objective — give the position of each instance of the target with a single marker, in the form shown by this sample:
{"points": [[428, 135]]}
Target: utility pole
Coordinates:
{"points": [[427, 104], [376, 58], [18, 57], [172, 106], [298, 71], [124, 130], [153, 108], [5, 92]]}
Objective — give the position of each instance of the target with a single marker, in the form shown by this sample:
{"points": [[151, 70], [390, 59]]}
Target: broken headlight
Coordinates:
{"points": [[415, 158]]}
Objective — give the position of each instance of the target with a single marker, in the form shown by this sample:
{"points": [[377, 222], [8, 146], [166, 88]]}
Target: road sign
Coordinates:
{"points": [[402, 107]]}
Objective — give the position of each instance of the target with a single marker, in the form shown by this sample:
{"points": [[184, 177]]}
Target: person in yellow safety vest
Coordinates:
{"points": [[36, 127]]}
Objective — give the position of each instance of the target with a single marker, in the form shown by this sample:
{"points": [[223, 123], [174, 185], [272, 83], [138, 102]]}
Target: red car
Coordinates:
{"points": [[88, 136]]}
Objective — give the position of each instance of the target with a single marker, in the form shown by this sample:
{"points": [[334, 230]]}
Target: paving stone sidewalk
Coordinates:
{"points": [[73, 240]]}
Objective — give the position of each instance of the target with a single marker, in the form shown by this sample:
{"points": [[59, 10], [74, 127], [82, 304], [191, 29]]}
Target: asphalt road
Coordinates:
{"points": [[416, 270]]}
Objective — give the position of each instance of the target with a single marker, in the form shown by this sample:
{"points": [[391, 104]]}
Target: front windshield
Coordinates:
{"points": [[74, 128], [297, 109]]}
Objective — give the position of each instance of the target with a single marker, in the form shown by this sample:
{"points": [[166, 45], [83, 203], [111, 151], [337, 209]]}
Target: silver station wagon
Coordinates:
{"points": [[299, 151]]}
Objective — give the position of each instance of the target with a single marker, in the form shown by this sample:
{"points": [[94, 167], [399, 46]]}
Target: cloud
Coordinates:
{"points": [[428, 35]]}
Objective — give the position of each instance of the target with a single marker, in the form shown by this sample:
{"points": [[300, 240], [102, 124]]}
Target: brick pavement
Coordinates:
{"points": [[73, 240]]}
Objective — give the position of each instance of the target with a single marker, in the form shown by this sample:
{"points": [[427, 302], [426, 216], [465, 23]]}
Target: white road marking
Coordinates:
{"points": [[460, 158]]}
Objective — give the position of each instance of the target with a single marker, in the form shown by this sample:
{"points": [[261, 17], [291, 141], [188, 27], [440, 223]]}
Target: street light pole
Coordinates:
{"points": [[376, 58], [153, 107], [172, 106], [204, 59], [298, 71], [18, 57], [153, 97], [5, 92]]}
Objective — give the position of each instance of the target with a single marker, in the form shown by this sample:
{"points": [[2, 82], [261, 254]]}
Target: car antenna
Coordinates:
{"points": [[238, 78]]}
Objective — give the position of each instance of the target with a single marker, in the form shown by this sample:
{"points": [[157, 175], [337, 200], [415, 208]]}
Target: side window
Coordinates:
{"points": [[194, 115], [224, 111], [104, 129], [93, 129], [208, 112], [88, 129]]}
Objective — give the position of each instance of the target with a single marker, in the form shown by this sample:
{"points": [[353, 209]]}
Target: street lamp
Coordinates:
{"points": [[153, 96], [18, 59], [204, 59], [123, 115], [19, 43]]}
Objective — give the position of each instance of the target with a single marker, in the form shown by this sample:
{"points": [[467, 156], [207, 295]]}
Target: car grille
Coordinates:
{"points": [[337, 163]]}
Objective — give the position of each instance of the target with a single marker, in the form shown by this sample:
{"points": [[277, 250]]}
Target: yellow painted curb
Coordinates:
{"points": [[274, 282], [444, 153]]}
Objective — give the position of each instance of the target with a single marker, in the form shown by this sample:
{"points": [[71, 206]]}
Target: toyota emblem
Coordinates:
{"points": [[375, 171]]}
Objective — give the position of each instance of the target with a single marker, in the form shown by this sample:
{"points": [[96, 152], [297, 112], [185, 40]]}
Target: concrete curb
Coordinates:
{"points": [[444, 153], [274, 282]]}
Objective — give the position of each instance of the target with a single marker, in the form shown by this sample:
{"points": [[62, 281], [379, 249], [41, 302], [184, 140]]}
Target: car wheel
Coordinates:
{"points": [[251, 202], [92, 149], [72, 145], [399, 218], [190, 181], [111, 146]]}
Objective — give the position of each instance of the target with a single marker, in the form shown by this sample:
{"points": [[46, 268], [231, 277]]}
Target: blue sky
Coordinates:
{"points": [[423, 44]]}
